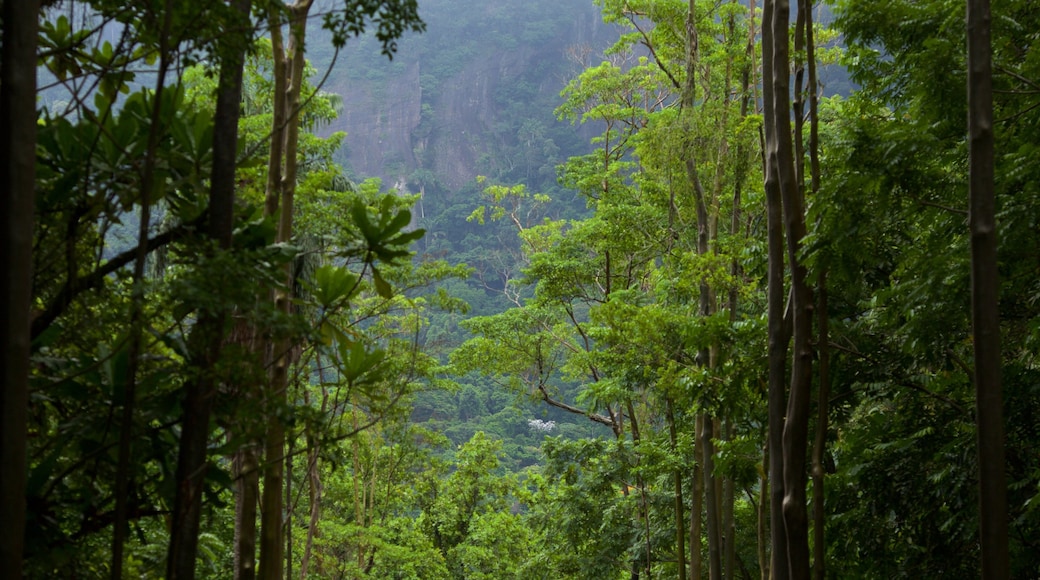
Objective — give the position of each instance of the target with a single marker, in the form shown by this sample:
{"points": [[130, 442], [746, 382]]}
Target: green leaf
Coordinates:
{"points": [[332, 284], [382, 287]]}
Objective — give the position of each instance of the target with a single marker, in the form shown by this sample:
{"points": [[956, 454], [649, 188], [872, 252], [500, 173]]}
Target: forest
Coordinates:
{"points": [[591, 289]]}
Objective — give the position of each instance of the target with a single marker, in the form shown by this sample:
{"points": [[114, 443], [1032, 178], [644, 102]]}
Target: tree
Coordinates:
{"points": [[120, 359], [778, 335], [985, 290], [786, 197], [281, 188], [625, 300], [17, 181], [897, 149], [208, 335]]}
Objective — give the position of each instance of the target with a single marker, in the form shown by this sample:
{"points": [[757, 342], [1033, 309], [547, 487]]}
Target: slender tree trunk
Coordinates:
{"points": [[798, 92], [711, 500], [246, 460], [247, 488], [819, 445], [763, 515], [155, 132], [814, 100], [704, 234], [741, 167], [777, 340], [315, 491], [359, 494], [208, 335], [728, 496], [704, 448], [729, 526], [697, 501], [17, 192], [287, 526], [796, 425], [823, 396], [985, 295], [680, 519], [271, 526], [278, 122], [643, 512], [247, 549]]}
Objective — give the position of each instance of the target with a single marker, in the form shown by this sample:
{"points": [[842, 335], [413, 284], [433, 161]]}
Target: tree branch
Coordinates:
{"points": [[74, 288], [570, 409]]}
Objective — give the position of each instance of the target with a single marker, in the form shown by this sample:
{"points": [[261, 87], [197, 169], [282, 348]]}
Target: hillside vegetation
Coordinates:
{"points": [[623, 289]]}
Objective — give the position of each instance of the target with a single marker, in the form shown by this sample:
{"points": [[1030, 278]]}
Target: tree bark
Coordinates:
{"points": [[287, 526], [796, 425], [247, 487], [729, 526], [155, 132], [17, 193], [985, 294], [680, 520], [640, 482], [697, 501], [820, 443], [823, 394], [711, 500], [207, 336], [777, 340], [763, 515], [315, 491], [272, 542], [704, 235]]}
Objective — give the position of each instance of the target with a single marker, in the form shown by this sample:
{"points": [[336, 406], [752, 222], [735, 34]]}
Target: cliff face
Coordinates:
{"points": [[449, 106], [379, 119], [468, 109]]}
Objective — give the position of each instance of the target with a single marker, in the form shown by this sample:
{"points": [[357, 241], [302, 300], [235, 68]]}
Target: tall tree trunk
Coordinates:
{"points": [[246, 459], [823, 396], [985, 294], [17, 192], [814, 100], [740, 175], [796, 424], [250, 487], [155, 133], [703, 485], [278, 121], [777, 340], [287, 526], [208, 335], [271, 525], [728, 531], [289, 506], [704, 234]]}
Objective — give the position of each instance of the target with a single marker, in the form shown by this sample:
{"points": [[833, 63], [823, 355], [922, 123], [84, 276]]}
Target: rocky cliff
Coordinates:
{"points": [[473, 95]]}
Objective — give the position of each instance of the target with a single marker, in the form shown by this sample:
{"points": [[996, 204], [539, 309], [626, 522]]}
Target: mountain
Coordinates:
{"points": [[473, 95]]}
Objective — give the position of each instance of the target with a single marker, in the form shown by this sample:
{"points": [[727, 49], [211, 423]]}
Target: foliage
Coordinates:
{"points": [[534, 413]]}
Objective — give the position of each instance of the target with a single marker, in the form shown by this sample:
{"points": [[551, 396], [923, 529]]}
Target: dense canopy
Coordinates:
{"points": [[634, 289]]}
